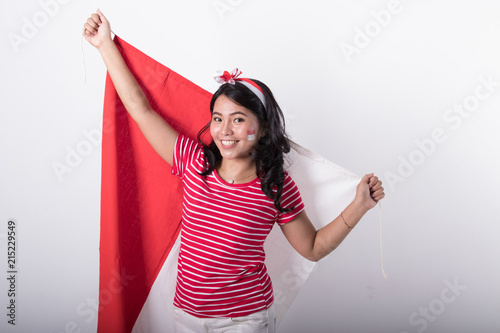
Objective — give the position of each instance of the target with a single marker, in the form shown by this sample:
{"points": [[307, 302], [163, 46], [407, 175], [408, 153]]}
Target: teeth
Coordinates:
{"points": [[228, 143]]}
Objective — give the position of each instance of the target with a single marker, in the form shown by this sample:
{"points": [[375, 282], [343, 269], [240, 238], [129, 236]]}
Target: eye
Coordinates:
{"points": [[239, 120], [216, 119]]}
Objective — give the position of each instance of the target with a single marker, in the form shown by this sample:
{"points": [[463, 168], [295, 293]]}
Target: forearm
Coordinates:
{"points": [[316, 244], [129, 91], [333, 234]]}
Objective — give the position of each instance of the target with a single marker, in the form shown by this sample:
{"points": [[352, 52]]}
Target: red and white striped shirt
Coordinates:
{"points": [[221, 271]]}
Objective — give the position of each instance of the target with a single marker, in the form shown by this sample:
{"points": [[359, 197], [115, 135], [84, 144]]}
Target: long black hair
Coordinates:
{"points": [[271, 147]]}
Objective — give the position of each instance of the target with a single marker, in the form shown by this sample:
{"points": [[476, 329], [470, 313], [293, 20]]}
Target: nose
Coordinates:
{"points": [[227, 128]]}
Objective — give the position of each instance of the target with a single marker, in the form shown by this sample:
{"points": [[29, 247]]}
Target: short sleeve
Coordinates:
{"points": [[184, 151], [290, 198]]}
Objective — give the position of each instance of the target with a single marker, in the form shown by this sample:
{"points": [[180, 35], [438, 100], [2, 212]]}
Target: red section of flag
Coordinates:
{"points": [[140, 199]]}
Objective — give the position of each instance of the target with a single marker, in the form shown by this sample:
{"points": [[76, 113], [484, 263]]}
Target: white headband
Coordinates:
{"points": [[231, 78]]}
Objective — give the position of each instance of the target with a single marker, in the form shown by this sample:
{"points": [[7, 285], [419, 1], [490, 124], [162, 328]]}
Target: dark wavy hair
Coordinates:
{"points": [[269, 150]]}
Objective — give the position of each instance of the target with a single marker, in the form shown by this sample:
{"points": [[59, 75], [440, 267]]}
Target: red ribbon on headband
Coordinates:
{"points": [[231, 77], [227, 77]]}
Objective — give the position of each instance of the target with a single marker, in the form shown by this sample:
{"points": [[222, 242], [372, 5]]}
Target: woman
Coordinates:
{"points": [[234, 190]]}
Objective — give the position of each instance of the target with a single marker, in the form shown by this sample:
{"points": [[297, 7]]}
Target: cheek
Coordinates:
{"points": [[213, 130], [251, 135]]}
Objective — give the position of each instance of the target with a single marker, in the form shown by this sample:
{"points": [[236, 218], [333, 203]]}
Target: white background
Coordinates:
{"points": [[364, 111]]}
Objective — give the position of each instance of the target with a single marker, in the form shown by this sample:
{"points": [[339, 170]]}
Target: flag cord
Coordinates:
{"points": [[83, 60], [83, 57], [381, 248]]}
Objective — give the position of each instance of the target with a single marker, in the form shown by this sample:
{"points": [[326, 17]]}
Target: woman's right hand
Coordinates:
{"points": [[97, 30]]}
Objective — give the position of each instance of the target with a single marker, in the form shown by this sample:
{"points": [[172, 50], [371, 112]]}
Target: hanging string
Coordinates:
{"points": [[83, 60], [83, 55], [381, 248]]}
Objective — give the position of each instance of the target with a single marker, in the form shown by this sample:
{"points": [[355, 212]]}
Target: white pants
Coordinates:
{"points": [[259, 322]]}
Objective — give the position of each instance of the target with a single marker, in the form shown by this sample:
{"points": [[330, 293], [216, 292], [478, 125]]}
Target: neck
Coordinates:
{"points": [[237, 171]]}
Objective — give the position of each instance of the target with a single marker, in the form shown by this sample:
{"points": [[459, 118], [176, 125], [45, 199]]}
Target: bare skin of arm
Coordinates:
{"points": [[315, 244], [157, 131]]}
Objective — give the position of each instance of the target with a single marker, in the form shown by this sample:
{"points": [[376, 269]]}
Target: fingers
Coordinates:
{"points": [[373, 180], [101, 15], [375, 185], [366, 179], [92, 24], [90, 27], [377, 192], [378, 197]]}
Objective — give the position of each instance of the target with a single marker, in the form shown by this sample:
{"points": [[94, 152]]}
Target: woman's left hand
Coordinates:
{"points": [[369, 191]]}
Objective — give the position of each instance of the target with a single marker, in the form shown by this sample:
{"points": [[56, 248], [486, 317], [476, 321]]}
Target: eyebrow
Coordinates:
{"points": [[231, 114]]}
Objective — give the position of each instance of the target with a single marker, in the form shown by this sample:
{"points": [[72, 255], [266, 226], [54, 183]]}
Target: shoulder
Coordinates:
{"points": [[187, 153], [291, 192], [288, 180]]}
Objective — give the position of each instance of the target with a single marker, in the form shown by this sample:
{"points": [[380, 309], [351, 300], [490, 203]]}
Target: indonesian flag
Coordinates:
{"points": [[141, 205]]}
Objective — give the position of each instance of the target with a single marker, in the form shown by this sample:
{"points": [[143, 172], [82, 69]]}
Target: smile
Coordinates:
{"points": [[228, 143]]}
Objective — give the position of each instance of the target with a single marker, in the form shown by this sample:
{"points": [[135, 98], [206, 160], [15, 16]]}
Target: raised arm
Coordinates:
{"points": [[316, 244], [157, 131]]}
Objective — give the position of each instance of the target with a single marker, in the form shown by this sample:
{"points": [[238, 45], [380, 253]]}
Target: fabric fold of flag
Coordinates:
{"points": [[140, 199], [141, 205]]}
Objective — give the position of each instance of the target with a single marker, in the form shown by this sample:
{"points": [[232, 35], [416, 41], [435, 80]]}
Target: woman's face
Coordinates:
{"points": [[234, 129]]}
